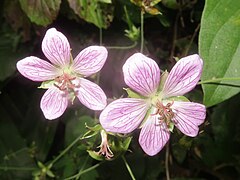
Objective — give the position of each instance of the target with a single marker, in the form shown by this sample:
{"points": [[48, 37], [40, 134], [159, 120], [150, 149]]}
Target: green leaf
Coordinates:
{"points": [[98, 12], [77, 126], [222, 146], [220, 49], [41, 12]]}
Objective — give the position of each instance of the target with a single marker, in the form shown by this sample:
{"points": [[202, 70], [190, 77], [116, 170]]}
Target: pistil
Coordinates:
{"points": [[65, 83], [165, 114]]}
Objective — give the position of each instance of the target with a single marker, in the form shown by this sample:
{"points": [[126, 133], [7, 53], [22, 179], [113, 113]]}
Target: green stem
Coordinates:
{"points": [[16, 152], [166, 162], [219, 79], [83, 166], [84, 171], [17, 168], [122, 47], [191, 40], [128, 168], [100, 36], [142, 31], [68, 148]]}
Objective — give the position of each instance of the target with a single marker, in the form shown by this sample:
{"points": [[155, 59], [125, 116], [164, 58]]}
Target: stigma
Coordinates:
{"points": [[65, 83], [165, 113]]}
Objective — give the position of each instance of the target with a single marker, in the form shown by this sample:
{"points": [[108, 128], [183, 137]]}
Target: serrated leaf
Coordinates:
{"points": [[95, 11], [41, 12], [220, 48]]}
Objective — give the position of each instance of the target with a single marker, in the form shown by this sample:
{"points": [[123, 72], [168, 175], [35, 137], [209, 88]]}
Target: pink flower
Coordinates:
{"points": [[63, 76], [157, 108]]}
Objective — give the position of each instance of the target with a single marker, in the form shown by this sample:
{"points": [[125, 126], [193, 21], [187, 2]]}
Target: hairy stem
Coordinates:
{"points": [[122, 47], [166, 162], [128, 168], [68, 148], [84, 171], [83, 166], [191, 40]]}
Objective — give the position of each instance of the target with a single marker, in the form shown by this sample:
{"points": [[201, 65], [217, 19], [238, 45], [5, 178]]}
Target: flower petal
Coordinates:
{"points": [[56, 48], [123, 115], [153, 136], [90, 60], [183, 77], [53, 103], [141, 74], [91, 95], [188, 116], [37, 69]]}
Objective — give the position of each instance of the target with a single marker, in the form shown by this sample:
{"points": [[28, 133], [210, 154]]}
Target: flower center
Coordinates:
{"points": [[65, 83], [166, 114]]}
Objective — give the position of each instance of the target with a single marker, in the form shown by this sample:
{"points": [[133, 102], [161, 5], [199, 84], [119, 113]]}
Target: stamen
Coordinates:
{"points": [[104, 147], [64, 83], [165, 112]]}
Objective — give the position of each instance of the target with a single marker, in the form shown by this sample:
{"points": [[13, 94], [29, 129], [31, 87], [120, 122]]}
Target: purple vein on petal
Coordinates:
{"points": [[56, 47], [53, 103], [141, 74], [153, 136], [188, 116], [90, 60], [123, 115], [183, 77], [90, 94]]}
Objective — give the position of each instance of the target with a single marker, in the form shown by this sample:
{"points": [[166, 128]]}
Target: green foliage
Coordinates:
{"points": [[219, 47], [41, 12], [77, 126], [133, 33], [35, 148], [221, 151], [97, 12]]}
